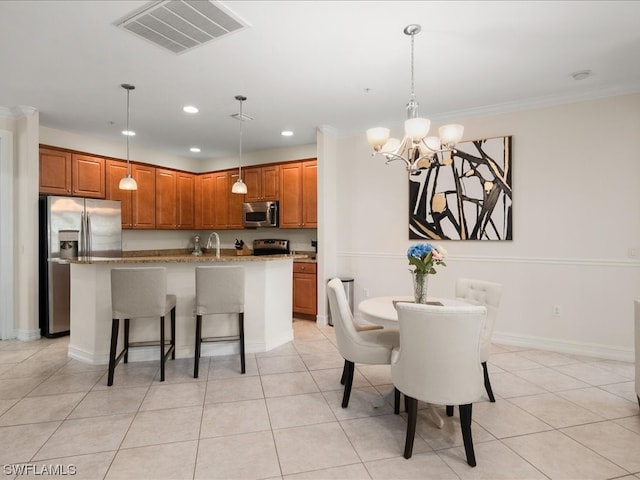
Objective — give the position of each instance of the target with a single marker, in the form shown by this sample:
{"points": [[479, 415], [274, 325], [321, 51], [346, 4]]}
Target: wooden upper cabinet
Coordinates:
{"points": [[114, 171], [234, 201], [298, 194], [185, 193], [221, 199], [205, 197], [88, 176], [143, 200], [310, 194], [291, 195], [55, 172], [166, 200], [67, 173], [263, 183]]}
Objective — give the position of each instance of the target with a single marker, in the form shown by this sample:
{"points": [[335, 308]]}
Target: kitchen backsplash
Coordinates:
{"points": [[299, 239]]}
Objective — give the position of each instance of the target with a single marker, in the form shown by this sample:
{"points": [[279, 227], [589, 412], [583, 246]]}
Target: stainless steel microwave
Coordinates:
{"points": [[260, 214]]}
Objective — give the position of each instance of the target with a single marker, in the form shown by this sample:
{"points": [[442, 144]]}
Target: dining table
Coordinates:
{"points": [[382, 311]]}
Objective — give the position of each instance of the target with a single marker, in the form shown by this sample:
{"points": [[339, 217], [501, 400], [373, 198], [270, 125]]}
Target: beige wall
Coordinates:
{"points": [[576, 222]]}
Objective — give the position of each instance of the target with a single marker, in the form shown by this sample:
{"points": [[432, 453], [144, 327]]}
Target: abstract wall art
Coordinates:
{"points": [[465, 195]]}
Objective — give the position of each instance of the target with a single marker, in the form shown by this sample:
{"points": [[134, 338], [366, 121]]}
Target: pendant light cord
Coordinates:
{"points": [[240, 160], [128, 134]]}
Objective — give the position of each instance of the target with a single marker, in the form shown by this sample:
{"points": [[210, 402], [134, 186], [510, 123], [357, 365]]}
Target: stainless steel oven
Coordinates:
{"points": [[260, 214]]}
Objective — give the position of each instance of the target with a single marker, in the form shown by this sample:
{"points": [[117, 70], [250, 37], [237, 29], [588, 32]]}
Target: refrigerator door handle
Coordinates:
{"points": [[83, 234], [88, 234]]}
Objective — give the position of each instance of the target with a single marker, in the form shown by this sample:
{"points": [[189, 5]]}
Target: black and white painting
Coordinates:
{"points": [[464, 195]]}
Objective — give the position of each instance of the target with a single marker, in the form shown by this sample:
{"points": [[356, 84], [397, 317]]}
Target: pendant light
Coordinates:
{"points": [[240, 187], [128, 182]]}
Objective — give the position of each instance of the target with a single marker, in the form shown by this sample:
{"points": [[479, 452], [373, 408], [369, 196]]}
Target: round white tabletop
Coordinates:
{"points": [[382, 311]]}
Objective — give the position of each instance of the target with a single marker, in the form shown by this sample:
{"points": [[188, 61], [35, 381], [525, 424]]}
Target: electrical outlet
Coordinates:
{"points": [[556, 310], [365, 292], [632, 252]]}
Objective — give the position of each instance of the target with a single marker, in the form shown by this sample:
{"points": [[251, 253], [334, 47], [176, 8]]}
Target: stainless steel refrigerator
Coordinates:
{"points": [[71, 227]]}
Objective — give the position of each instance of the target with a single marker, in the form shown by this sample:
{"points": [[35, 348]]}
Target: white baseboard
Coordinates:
{"points": [[27, 335], [86, 357], [565, 346]]}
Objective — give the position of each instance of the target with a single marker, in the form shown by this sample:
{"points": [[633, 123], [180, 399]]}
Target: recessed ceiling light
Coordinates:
{"points": [[582, 74], [194, 150], [190, 109], [286, 133], [129, 133]]}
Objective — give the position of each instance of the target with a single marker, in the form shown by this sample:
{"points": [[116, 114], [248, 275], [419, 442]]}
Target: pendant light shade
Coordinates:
{"points": [[128, 182], [240, 187]]}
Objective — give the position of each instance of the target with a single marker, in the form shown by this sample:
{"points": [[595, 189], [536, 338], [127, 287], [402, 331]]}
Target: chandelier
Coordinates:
{"points": [[128, 182], [416, 149]]}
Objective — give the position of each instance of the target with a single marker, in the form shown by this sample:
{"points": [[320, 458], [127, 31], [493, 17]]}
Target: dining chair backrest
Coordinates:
{"points": [[219, 289], [344, 324], [138, 292], [439, 356], [481, 292]]}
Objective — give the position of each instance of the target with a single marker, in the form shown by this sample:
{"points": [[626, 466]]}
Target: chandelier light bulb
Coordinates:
{"points": [[377, 137], [451, 134], [416, 128]]}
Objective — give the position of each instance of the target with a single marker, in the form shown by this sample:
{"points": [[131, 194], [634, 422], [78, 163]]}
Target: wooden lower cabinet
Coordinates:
{"points": [[305, 296]]}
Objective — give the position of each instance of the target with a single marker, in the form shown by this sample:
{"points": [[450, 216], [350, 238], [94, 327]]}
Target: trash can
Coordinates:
{"points": [[347, 283]]}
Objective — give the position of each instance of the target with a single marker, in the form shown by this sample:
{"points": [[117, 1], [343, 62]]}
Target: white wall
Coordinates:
{"points": [[576, 226]]}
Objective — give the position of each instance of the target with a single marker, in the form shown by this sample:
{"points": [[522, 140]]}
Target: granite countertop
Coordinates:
{"points": [[181, 256]]}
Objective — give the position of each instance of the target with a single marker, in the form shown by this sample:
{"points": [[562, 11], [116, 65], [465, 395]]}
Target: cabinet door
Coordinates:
{"points": [[185, 190], [310, 194], [221, 200], [55, 172], [205, 196], [291, 195], [144, 199], [304, 289], [253, 180], [114, 171], [165, 198], [235, 204], [88, 176], [270, 183]]}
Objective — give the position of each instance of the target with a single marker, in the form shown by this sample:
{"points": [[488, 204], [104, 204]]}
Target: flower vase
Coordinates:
{"points": [[420, 283]]}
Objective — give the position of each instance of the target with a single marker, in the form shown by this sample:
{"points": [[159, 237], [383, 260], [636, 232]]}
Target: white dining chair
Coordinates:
{"points": [[438, 362], [480, 292], [356, 345]]}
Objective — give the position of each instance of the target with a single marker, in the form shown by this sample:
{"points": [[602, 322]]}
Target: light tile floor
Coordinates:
{"points": [[556, 417]]}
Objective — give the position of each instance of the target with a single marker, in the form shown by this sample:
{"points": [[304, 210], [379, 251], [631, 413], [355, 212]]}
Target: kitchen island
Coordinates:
{"points": [[267, 318]]}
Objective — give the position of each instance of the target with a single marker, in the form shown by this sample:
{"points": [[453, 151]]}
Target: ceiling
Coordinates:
{"points": [[306, 64]]}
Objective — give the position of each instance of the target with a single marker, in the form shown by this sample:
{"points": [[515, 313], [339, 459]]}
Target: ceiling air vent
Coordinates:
{"points": [[182, 25]]}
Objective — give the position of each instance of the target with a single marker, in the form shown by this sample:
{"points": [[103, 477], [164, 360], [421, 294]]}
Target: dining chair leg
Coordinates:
{"points": [[241, 333], [126, 340], [396, 401], [487, 383], [196, 360], [112, 351], [162, 349], [449, 410], [344, 373], [350, 366], [465, 423], [412, 411], [173, 333]]}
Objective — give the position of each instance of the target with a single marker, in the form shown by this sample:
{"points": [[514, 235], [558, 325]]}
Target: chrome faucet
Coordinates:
{"points": [[217, 243]]}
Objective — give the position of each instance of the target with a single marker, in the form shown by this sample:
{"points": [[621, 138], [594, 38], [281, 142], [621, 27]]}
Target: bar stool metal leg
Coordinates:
{"points": [[112, 352], [241, 330], [196, 364]]}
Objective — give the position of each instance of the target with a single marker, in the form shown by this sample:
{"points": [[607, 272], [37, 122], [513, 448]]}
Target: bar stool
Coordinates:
{"points": [[140, 293], [219, 290]]}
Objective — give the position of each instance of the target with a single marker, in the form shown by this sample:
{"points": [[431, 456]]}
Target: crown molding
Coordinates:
{"points": [[17, 112]]}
